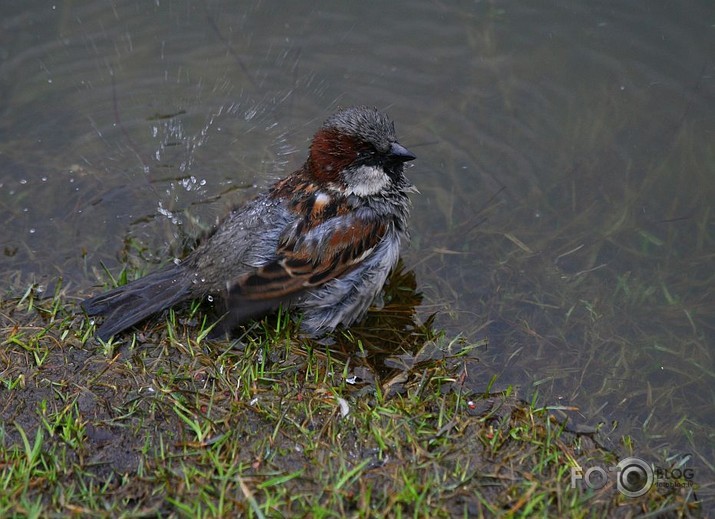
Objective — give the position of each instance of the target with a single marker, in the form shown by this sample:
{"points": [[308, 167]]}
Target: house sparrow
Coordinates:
{"points": [[322, 240]]}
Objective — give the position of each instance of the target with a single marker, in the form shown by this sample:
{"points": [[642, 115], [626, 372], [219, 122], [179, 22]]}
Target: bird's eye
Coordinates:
{"points": [[365, 155]]}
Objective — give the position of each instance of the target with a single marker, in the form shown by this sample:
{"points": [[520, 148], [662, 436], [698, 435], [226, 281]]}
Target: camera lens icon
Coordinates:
{"points": [[635, 477]]}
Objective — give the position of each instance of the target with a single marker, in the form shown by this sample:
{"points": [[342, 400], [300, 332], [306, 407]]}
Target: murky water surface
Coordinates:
{"points": [[566, 168]]}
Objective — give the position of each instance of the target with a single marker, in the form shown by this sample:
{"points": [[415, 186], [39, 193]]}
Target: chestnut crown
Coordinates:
{"points": [[355, 142]]}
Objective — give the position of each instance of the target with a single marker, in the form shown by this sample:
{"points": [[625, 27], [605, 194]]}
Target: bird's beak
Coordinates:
{"points": [[400, 153]]}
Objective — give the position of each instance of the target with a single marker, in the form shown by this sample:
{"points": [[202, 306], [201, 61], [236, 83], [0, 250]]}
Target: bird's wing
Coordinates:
{"points": [[306, 259]]}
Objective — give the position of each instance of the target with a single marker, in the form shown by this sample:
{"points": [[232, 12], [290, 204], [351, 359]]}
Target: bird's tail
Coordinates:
{"points": [[127, 305]]}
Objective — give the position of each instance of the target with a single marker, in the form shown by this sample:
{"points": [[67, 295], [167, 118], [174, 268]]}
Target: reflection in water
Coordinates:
{"points": [[393, 329]]}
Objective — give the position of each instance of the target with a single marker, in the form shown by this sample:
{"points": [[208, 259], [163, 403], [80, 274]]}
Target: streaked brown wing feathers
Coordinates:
{"points": [[302, 264]]}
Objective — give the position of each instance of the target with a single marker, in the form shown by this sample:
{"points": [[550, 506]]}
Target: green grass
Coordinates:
{"points": [[162, 421]]}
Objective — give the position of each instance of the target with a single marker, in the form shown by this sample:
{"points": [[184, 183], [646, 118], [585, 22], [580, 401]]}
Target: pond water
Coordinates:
{"points": [[566, 164]]}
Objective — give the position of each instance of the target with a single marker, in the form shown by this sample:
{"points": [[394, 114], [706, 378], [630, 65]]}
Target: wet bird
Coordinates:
{"points": [[322, 240]]}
